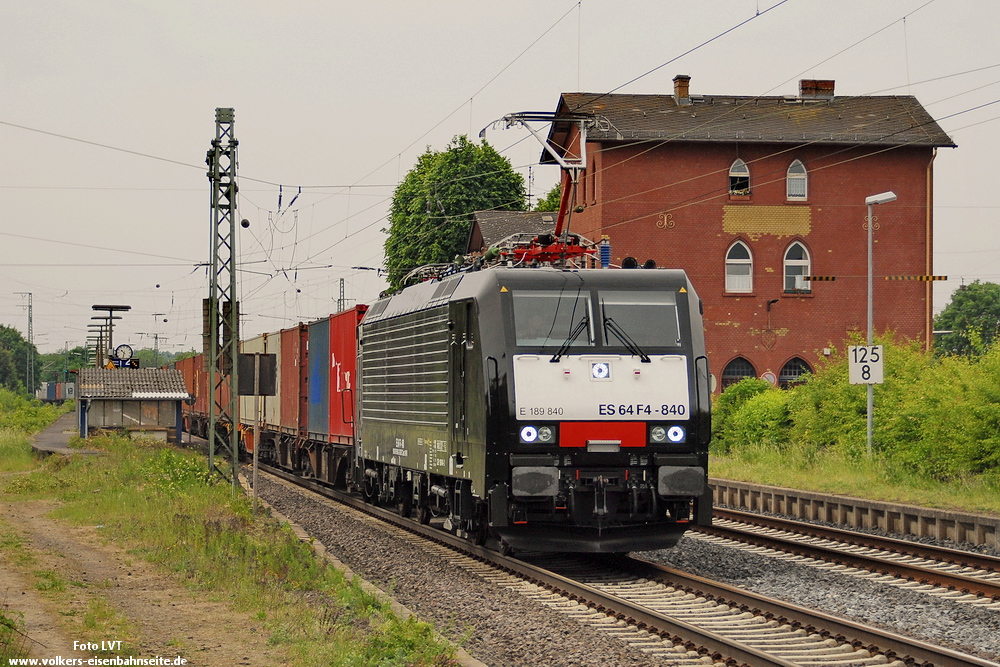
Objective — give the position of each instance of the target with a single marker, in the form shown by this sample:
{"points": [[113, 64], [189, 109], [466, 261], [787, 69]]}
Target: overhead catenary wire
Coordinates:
{"points": [[688, 52], [478, 91], [276, 247]]}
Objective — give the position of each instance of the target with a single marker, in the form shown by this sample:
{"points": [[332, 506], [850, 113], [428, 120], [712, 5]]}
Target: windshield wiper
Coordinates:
{"points": [[623, 338], [581, 326]]}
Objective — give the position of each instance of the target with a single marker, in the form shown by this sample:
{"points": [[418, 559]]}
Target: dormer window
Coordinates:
{"points": [[796, 182], [739, 178]]}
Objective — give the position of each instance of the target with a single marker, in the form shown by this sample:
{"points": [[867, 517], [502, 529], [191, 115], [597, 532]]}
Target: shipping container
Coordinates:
{"points": [[272, 404], [251, 346], [190, 368], [343, 373], [269, 406], [318, 363], [293, 413]]}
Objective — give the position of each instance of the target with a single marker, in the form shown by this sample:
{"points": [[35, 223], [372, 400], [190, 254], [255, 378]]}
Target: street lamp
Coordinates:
{"points": [[870, 202]]}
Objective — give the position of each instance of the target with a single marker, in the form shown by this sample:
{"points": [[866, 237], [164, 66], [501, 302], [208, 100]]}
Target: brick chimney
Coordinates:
{"points": [[816, 89], [682, 83]]}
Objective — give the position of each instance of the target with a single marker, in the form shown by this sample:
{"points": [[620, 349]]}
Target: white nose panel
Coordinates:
{"points": [[601, 388]]}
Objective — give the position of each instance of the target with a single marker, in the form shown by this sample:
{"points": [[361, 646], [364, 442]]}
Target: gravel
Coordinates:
{"points": [[503, 628], [965, 627], [496, 626], [962, 546]]}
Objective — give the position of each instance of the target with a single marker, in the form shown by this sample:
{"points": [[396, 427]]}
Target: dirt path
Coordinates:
{"points": [[164, 618]]}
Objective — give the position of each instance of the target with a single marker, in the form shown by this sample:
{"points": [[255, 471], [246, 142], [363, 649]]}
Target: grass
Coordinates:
{"points": [[163, 507], [832, 472], [15, 451], [99, 620], [13, 642]]}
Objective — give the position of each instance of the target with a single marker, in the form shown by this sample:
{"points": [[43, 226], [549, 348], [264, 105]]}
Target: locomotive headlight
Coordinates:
{"points": [[676, 434], [658, 434], [542, 434]]}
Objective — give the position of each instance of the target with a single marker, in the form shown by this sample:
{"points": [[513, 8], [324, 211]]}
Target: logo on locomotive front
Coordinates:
{"points": [[600, 370]]}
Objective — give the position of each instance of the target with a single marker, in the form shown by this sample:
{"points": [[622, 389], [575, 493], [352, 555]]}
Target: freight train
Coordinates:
{"points": [[56, 392], [544, 409]]}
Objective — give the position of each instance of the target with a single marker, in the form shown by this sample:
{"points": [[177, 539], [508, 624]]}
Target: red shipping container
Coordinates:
{"points": [[292, 385], [343, 372]]}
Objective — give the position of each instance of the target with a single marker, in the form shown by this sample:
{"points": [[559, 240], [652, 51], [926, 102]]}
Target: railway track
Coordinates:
{"points": [[962, 576], [663, 612]]}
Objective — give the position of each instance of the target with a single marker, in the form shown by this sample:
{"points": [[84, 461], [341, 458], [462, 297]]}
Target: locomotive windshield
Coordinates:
{"points": [[650, 319], [558, 319], [548, 318]]}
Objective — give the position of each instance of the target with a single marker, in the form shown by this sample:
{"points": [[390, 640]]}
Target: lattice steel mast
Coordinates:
{"points": [[221, 309], [29, 371]]}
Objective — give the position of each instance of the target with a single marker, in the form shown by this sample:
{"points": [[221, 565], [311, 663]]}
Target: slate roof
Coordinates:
{"points": [[889, 120], [497, 225], [131, 383]]}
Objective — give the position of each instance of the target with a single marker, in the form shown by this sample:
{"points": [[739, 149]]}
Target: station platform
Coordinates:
{"points": [[55, 439]]}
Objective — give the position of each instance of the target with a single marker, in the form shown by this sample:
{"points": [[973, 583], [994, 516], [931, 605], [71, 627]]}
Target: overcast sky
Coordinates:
{"points": [[109, 108]]}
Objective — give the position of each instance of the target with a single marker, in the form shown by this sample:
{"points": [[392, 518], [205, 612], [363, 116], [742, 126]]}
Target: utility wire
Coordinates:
{"points": [[688, 52]]}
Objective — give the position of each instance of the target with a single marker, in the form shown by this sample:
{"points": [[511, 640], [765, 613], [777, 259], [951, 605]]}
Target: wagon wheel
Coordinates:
{"points": [[369, 491], [424, 515], [479, 527], [480, 532], [404, 500]]}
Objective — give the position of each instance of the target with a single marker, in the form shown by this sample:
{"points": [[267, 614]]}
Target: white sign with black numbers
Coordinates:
{"points": [[865, 364]]}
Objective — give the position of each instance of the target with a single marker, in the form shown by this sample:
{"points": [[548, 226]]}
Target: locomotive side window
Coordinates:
{"points": [[649, 318], [550, 318]]}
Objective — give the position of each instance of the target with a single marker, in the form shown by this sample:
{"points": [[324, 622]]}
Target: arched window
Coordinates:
{"points": [[739, 268], [739, 178], [792, 372], [797, 267], [736, 370], [796, 181]]}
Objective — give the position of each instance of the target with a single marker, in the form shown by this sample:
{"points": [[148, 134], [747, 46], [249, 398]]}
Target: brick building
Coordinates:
{"points": [[752, 194]]}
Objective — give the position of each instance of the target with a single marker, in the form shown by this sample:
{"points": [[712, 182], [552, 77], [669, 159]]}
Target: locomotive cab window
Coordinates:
{"points": [[648, 318], [545, 318]]}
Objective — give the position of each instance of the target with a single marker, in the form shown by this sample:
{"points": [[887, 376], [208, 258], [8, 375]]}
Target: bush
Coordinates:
{"points": [[762, 421], [728, 403], [18, 413], [936, 417]]}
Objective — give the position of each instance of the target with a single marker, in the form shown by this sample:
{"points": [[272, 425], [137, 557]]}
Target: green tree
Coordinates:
{"points": [[8, 371], [431, 212], [21, 351], [150, 358], [551, 201], [55, 366], [973, 317]]}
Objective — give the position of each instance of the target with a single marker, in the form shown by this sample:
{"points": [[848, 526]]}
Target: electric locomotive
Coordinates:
{"points": [[547, 409]]}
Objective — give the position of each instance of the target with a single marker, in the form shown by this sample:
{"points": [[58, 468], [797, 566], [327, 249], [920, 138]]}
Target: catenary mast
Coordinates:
{"points": [[221, 309]]}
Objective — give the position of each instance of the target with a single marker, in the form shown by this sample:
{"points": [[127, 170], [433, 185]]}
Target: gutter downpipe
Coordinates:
{"points": [[928, 260]]}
